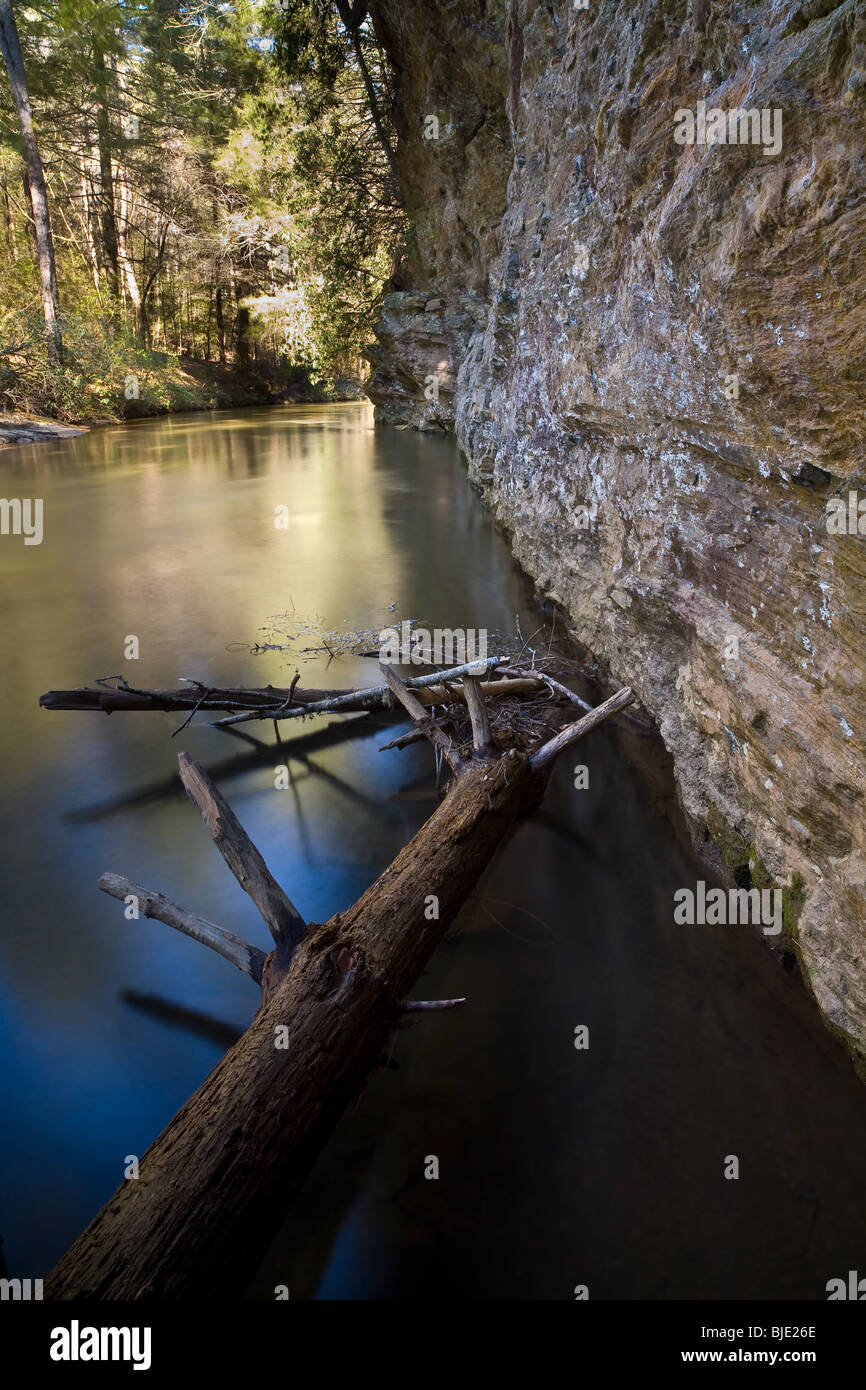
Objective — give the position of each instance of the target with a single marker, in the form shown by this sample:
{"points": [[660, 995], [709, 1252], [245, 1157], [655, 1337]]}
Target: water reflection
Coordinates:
{"points": [[557, 1167]]}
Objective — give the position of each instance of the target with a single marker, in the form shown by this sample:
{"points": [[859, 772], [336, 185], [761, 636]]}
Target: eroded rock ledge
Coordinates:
{"points": [[584, 291]]}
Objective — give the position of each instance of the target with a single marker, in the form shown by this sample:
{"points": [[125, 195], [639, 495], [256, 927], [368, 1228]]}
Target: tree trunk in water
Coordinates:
{"points": [[272, 702], [11, 47], [214, 1186], [216, 1183]]}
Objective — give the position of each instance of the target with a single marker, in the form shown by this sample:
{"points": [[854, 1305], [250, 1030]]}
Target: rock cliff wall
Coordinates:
{"points": [[652, 354]]}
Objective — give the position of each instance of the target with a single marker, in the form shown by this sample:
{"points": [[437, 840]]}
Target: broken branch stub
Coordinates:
{"points": [[549, 751], [481, 740], [421, 718], [282, 918], [247, 958]]}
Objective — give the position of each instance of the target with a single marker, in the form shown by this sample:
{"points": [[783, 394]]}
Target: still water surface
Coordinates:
{"points": [[557, 1167]]}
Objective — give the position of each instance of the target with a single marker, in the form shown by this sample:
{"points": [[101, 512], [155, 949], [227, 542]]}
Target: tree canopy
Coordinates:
{"points": [[220, 181]]}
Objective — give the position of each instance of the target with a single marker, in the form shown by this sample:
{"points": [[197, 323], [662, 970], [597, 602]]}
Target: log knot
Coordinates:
{"points": [[337, 969]]}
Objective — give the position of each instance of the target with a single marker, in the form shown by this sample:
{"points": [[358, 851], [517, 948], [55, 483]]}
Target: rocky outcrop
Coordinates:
{"points": [[455, 153], [652, 354], [18, 429]]}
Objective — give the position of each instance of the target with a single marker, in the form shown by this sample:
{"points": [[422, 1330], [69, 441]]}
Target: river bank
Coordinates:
{"points": [[156, 384], [23, 429]]}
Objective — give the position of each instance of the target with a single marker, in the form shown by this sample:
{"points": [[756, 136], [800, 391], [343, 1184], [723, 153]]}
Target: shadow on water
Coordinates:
{"points": [[557, 1167]]}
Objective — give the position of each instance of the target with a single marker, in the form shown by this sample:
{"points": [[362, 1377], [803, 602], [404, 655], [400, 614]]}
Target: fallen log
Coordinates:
{"points": [[213, 1187], [273, 702]]}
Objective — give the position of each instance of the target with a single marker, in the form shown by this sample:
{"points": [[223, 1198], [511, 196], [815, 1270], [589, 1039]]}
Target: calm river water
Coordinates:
{"points": [[557, 1167]]}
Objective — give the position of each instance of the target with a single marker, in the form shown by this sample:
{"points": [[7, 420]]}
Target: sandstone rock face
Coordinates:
{"points": [[455, 153], [652, 354]]}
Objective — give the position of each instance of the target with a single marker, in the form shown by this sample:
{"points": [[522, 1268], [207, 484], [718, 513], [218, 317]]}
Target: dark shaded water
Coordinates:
{"points": [[557, 1167]]}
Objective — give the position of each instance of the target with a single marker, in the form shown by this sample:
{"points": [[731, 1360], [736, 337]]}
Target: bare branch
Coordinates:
{"points": [[413, 736], [284, 922], [428, 1006], [375, 697], [481, 740], [263, 702], [554, 685], [419, 716], [451, 689], [572, 732], [564, 690], [191, 716], [247, 958]]}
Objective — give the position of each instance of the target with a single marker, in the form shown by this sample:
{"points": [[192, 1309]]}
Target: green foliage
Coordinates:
{"points": [[92, 382], [310, 48], [327, 142], [251, 211]]}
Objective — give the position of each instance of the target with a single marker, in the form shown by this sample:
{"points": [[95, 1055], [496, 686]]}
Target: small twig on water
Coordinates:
{"points": [[196, 707]]}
